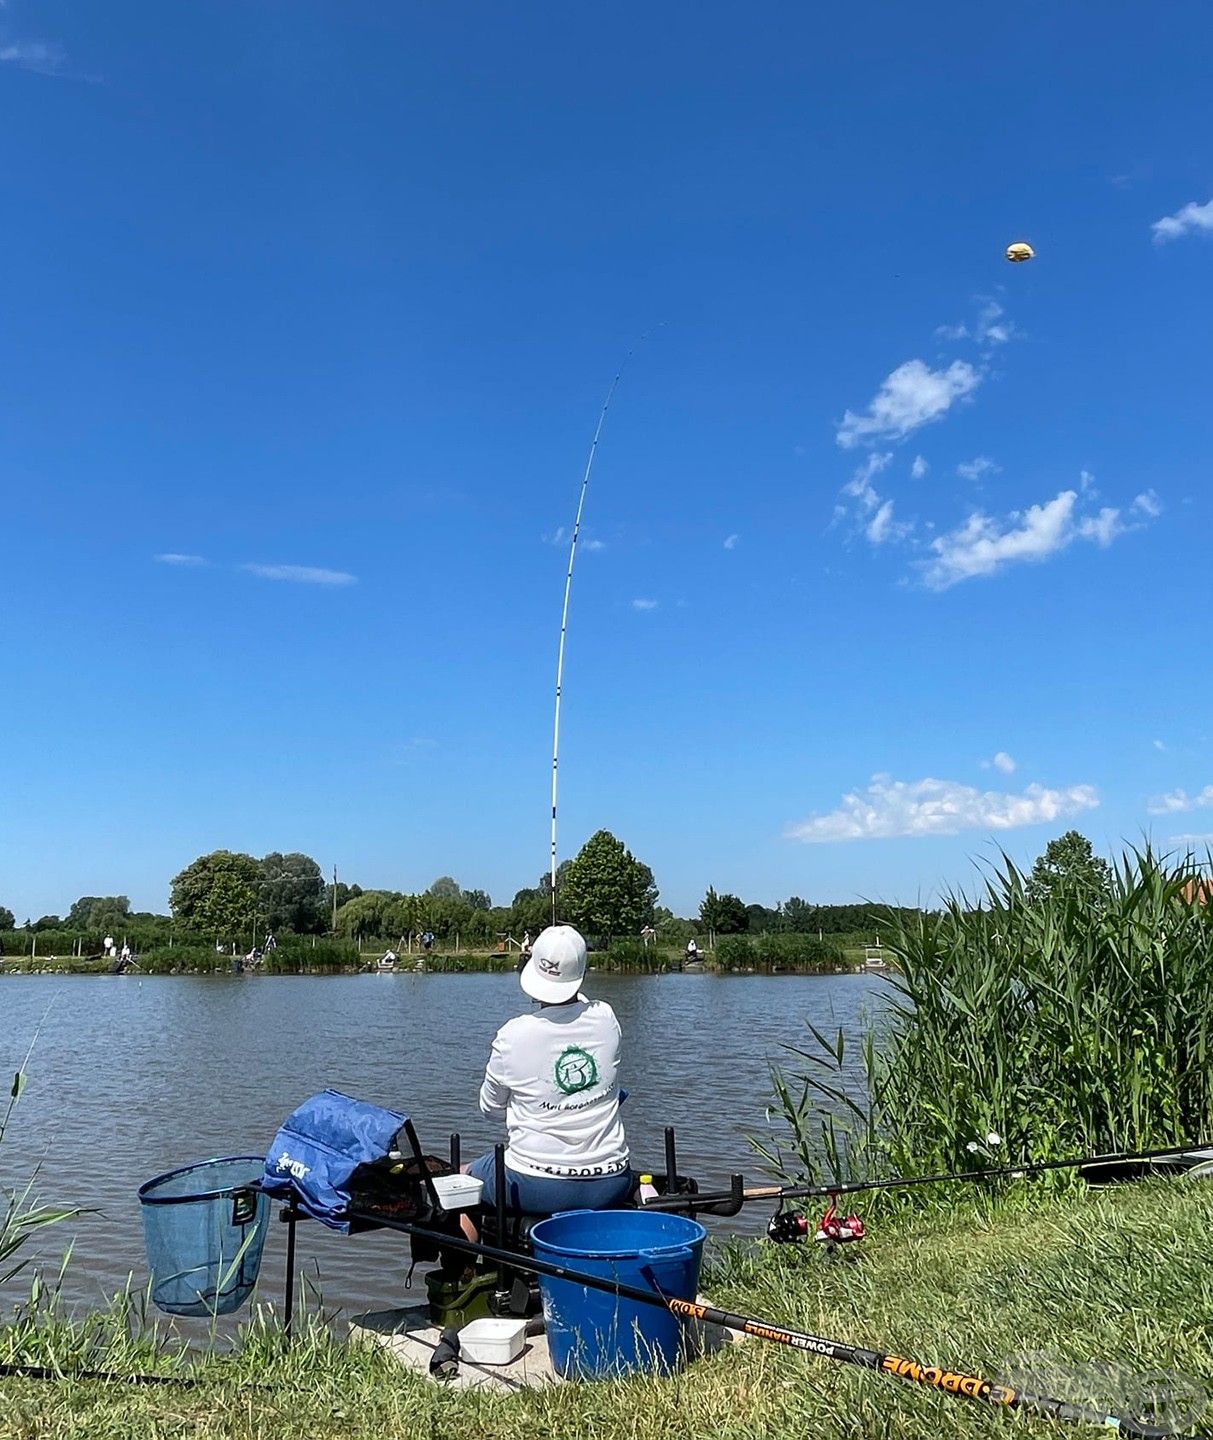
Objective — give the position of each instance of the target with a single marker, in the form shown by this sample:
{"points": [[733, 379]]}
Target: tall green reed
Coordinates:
{"points": [[1020, 1028]]}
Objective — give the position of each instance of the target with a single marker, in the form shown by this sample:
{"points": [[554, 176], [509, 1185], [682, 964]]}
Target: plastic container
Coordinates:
{"points": [[203, 1232], [458, 1192], [492, 1342], [592, 1333]]}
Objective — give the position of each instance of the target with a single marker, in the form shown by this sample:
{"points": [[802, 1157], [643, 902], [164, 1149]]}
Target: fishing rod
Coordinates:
{"points": [[961, 1383], [855, 1187], [564, 610]]}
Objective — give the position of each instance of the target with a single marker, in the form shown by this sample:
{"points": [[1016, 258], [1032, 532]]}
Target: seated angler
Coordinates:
{"points": [[552, 1076]]}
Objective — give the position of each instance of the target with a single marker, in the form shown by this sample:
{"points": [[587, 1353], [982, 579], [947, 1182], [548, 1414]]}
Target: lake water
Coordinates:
{"points": [[130, 1077]]}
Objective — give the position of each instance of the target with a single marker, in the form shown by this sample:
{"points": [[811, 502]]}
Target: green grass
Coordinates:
{"points": [[1121, 1276]]}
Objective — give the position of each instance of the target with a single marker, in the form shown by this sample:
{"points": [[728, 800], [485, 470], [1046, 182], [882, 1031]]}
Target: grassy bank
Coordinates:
{"points": [[1119, 1277]]}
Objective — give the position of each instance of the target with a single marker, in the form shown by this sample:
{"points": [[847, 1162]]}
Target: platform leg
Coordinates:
{"points": [[288, 1299]]}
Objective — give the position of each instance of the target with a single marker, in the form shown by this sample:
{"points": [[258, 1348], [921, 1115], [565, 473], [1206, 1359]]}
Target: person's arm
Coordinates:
{"points": [[495, 1089]]}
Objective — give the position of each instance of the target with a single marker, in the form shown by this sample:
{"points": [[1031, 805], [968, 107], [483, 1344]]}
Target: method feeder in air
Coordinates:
{"points": [[1019, 252]]}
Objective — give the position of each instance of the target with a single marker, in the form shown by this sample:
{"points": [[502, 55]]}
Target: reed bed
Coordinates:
{"points": [[1019, 1027]]}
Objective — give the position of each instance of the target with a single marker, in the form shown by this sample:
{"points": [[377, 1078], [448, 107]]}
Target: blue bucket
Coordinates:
{"points": [[591, 1333], [203, 1232]]}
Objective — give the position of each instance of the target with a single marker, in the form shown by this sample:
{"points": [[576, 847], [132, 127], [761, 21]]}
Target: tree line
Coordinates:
{"points": [[604, 890]]}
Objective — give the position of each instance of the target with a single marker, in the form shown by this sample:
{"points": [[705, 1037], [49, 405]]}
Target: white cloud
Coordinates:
{"points": [[880, 527], [36, 55], [919, 468], [977, 467], [1148, 504], [301, 574], [890, 808], [982, 545], [860, 486], [1002, 761], [1177, 801], [594, 545], [730, 542], [1102, 528], [641, 604], [991, 327], [912, 396], [1205, 839], [1192, 219], [1159, 744], [172, 558]]}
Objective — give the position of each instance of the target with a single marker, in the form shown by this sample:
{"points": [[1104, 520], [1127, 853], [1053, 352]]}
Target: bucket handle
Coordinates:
{"points": [[653, 1257]]}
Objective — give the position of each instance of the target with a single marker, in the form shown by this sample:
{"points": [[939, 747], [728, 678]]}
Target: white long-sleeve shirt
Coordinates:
{"points": [[553, 1075]]}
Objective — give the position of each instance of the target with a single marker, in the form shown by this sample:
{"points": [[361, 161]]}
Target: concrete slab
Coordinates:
{"points": [[410, 1339]]}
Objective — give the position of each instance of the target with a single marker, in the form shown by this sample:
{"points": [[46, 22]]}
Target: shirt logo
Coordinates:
{"points": [[575, 1070]]}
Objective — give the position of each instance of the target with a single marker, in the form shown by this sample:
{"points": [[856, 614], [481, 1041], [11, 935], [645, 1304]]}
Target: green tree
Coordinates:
{"points": [[8, 921], [217, 893], [606, 891], [377, 914], [725, 914], [290, 893], [797, 914], [1070, 869], [445, 888], [45, 922], [477, 900], [98, 912]]}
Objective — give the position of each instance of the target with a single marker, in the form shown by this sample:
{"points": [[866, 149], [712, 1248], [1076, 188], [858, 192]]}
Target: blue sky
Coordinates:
{"points": [[895, 552]]}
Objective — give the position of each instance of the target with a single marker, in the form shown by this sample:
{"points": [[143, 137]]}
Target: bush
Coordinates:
{"points": [[785, 951], [734, 952], [799, 952], [164, 959], [632, 954], [296, 955]]}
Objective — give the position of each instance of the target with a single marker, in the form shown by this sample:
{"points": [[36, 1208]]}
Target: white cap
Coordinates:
{"points": [[557, 965]]}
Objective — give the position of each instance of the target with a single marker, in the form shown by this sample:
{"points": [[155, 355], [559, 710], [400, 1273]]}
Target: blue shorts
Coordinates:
{"points": [[548, 1195]]}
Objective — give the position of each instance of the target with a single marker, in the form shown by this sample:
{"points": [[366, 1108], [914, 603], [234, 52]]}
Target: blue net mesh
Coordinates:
{"points": [[203, 1232]]}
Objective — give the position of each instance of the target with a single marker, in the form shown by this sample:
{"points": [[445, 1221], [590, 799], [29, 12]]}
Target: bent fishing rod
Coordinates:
{"points": [[564, 609], [960, 1383], [855, 1187]]}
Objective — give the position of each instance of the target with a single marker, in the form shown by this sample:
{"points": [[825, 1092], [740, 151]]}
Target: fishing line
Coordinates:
{"points": [[564, 609]]}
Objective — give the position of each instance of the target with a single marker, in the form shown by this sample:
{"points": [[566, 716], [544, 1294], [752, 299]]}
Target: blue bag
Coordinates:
{"points": [[318, 1149]]}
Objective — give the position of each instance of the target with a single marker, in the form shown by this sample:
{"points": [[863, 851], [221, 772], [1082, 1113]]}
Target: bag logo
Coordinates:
{"points": [[576, 1070], [296, 1168]]}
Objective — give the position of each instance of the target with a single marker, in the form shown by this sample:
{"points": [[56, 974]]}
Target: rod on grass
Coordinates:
{"points": [[960, 1383], [855, 1187]]}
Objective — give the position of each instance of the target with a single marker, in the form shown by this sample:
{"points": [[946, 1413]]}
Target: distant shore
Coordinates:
{"points": [[425, 964]]}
